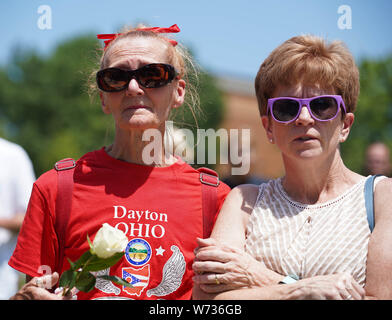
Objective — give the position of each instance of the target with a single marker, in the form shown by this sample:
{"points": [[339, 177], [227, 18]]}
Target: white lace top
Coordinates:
{"points": [[308, 240]]}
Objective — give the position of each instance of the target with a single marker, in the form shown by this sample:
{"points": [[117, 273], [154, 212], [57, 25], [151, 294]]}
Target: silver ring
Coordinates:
{"points": [[216, 279], [349, 297], [39, 282]]}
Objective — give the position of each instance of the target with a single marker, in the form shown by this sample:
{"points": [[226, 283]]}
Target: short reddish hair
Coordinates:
{"points": [[309, 59]]}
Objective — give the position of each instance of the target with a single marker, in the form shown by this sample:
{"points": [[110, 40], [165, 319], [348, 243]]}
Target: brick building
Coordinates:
{"points": [[242, 112]]}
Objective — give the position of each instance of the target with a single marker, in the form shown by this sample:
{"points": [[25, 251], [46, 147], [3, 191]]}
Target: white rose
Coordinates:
{"points": [[108, 241]]}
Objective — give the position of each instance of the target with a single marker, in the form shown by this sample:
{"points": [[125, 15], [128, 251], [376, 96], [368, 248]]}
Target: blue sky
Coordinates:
{"points": [[228, 37]]}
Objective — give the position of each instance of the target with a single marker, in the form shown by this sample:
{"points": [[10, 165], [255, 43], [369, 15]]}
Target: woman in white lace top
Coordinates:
{"points": [[306, 234]]}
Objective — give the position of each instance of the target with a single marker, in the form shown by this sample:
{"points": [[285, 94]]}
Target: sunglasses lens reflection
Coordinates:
{"points": [[115, 79], [285, 109], [153, 76], [324, 108], [150, 76]]}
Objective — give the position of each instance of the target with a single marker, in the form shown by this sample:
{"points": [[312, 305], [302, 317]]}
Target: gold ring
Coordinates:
{"points": [[216, 279]]}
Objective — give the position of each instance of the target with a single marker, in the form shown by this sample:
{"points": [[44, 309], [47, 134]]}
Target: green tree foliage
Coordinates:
{"points": [[373, 117], [45, 106]]}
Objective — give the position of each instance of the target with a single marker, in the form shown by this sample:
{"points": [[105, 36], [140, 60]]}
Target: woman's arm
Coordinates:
{"points": [[227, 245], [241, 276], [379, 260], [232, 220], [340, 286]]}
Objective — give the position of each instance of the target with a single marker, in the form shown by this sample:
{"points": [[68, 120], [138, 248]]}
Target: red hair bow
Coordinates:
{"points": [[111, 36]]}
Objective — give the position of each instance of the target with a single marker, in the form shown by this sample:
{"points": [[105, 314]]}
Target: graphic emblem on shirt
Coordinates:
{"points": [[138, 252], [137, 277], [172, 274], [106, 286]]}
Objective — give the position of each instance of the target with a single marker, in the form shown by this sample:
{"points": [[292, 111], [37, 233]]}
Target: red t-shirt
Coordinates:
{"points": [[159, 209]]}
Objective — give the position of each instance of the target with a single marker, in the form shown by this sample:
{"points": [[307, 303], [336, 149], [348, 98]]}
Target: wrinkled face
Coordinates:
{"points": [[307, 138], [137, 107]]}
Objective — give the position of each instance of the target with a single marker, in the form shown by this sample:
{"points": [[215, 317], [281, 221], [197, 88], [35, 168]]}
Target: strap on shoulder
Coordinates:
{"points": [[209, 182], [369, 200], [65, 170]]}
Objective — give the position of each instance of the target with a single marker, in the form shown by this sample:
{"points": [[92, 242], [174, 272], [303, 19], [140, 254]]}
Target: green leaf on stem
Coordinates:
{"points": [[82, 260], [97, 264], [85, 281], [67, 279], [71, 264], [117, 280]]}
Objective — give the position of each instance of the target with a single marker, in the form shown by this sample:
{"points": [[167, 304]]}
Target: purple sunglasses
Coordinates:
{"points": [[321, 108]]}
